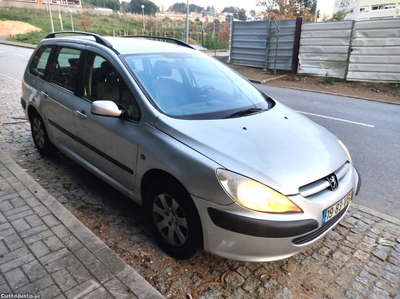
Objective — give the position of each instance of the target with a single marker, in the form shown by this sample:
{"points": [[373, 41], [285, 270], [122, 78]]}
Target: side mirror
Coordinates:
{"points": [[106, 108]]}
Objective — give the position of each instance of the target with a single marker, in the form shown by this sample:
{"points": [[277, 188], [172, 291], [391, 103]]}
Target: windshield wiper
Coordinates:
{"points": [[245, 112]]}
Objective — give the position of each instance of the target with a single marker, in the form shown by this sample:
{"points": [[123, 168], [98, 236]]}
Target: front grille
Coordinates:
{"points": [[315, 234], [322, 184]]}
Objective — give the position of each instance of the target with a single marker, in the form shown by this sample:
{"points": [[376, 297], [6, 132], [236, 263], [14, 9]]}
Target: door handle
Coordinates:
{"points": [[44, 94], [81, 114]]}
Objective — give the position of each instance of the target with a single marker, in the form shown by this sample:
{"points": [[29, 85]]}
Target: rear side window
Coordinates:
{"points": [[40, 61], [64, 71]]}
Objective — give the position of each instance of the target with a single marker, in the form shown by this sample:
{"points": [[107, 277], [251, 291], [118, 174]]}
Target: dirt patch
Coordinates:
{"points": [[16, 27], [389, 92]]}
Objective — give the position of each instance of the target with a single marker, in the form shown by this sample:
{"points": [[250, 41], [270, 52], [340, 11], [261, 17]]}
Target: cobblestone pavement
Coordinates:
{"points": [[360, 258], [45, 251]]}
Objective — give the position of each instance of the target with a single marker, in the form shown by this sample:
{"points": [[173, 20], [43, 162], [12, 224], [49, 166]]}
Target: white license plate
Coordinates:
{"points": [[335, 209]]}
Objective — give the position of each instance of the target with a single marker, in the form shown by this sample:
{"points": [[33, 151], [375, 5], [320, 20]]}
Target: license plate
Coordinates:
{"points": [[335, 209]]}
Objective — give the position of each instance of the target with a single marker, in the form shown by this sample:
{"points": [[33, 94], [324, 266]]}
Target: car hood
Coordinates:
{"points": [[280, 147]]}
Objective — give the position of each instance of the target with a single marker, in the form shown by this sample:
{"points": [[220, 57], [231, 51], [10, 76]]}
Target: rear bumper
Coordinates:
{"points": [[23, 103]]}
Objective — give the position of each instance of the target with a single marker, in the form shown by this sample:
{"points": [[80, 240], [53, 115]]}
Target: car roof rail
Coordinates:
{"points": [[99, 39], [177, 41]]}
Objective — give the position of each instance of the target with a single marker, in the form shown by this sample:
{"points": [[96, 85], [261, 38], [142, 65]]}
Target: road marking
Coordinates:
{"points": [[338, 119], [10, 78], [19, 55]]}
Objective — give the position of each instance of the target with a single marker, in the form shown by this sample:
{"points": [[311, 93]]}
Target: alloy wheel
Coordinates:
{"points": [[38, 132], [170, 220]]}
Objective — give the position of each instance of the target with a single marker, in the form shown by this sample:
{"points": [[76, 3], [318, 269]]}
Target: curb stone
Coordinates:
{"points": [[17, 44]]}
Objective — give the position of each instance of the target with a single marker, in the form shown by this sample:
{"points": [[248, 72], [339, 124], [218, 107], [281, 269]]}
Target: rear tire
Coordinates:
{"points": [[173, 218], [40, 137]]}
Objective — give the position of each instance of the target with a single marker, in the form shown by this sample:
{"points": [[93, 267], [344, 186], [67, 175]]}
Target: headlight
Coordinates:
{"points": [[253, 195], [345, 149]]}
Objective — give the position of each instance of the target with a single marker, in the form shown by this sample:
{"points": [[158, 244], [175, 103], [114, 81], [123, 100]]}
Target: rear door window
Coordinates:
{"points": [[40, 62], [64, 70]]}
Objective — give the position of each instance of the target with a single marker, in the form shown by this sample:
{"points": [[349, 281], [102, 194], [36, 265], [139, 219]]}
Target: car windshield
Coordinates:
{"points": [[193, 85]]}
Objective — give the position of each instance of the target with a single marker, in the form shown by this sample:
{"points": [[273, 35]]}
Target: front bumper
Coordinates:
{"points": [[236, 233]]}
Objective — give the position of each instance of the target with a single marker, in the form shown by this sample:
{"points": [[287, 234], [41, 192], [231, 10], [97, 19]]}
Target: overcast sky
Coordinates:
{"points": [[323, 5]]}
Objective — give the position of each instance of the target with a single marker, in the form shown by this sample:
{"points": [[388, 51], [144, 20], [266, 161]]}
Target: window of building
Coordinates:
{"points": [[40, 61], [384, 6], [351, 11], [364, 8], [65, 68], [103, 82]]}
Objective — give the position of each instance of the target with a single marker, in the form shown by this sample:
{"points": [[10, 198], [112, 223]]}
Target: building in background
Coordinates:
{"points": [[359, 10]]}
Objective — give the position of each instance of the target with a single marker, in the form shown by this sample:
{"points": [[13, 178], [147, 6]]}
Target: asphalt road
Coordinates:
{"points": [[371, 131], [13, 61]]}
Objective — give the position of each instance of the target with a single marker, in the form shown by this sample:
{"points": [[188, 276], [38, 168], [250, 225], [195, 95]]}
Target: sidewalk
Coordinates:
{"points": [[46, 251]]}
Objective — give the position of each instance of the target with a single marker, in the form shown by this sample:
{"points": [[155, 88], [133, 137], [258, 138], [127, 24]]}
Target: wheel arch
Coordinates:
{"points": [[31, 111], [153, 175]]}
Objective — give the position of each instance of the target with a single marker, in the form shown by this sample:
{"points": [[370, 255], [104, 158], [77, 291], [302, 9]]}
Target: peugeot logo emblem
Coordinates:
{"points": [[333, 181]]}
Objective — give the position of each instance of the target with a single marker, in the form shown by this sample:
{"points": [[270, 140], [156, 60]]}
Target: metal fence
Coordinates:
{"points": [[261, 43], [375, 51], [352, 50], [324, 48]]}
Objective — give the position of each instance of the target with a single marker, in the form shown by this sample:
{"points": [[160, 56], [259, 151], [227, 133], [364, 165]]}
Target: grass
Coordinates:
{"points": [[104, 25], [329, 80]]}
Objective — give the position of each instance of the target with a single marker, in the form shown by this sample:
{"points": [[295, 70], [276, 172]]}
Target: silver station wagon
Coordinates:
{"points": [[215, 162]]}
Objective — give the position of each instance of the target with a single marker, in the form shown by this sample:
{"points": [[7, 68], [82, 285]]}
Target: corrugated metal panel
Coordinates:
{"points": [[249, 42], [375, 52], [324, 48], [287, 29]]}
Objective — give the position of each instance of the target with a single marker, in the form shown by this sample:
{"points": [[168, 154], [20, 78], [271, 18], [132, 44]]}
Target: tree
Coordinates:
{"points": [[195, 8], [181, 7], [252, 13], [284, 9], [231, 9], [149, 7], [339, 15], [112, 4], [178, 7], [242, 15]]}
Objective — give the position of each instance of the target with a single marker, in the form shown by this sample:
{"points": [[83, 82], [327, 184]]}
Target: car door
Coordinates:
{"points": [[59, 93], [110, 144]]}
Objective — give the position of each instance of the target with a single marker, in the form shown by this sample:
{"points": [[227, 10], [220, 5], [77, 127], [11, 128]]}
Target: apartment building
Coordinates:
{"points": [[368, 9]]}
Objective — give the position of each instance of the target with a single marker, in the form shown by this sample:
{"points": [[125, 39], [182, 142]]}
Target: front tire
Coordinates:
{"points": [[173, 218], [40, 136]]}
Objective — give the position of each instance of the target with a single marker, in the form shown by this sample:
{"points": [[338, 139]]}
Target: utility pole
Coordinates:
{"points": [[316, 11], [59, 15], [187, 23], [144, 24], [72, 21], [51, 16], [215, 39]]}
